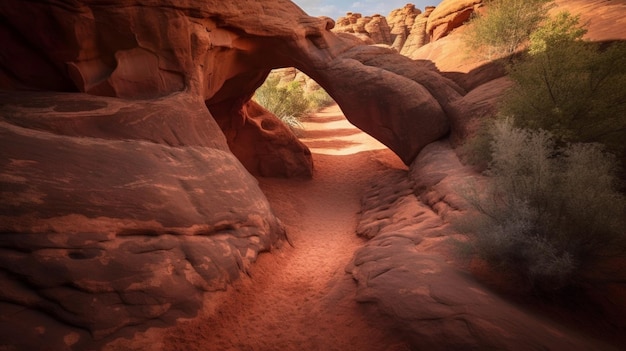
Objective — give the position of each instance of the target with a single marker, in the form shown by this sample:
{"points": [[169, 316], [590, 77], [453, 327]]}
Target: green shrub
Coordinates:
{"points": [[288, 101], [319, 99], [282, 100], [570, 87], [561, 28], [476, 149], [548, 212], [504, 27]]}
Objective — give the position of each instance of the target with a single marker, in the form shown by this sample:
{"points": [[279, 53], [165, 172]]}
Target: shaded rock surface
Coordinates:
{"points": [[219, 52]]}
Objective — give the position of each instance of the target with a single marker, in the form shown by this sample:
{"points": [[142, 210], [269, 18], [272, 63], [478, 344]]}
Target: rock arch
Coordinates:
{"points": [[220, 54], [121, 200]]}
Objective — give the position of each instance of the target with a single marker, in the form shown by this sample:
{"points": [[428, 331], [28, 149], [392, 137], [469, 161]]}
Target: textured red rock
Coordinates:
{"points": [[118, 213], [122, 202], [449, 14]]}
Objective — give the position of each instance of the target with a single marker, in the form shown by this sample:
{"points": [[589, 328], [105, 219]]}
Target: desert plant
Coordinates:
{"points": [[285, 101], [476, 148], [289, 101], [505, 25], [563, 27], [548, 211], [318, 99], [570, 87]]}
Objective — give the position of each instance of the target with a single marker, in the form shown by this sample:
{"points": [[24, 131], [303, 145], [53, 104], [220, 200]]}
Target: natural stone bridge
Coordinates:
{"points": [[122, 198]]}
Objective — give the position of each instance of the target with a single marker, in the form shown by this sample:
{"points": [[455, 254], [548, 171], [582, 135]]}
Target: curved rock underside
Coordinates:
{"points": [[127, 138]]}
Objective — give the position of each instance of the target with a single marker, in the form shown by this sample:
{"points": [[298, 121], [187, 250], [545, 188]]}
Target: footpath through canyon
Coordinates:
{"points": [[299, 297]]}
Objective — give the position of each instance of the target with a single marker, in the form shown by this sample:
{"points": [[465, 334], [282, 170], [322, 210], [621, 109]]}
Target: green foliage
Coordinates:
{"points": [[571, 88], [548, 212], [476, 150], [562, 28], [319, 99], [506, 25], [284, 101], [289, 102]]}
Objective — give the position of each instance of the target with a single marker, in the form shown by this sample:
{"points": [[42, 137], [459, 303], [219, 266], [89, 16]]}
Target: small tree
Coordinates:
{"points": [[504, 27], [570, 87]]}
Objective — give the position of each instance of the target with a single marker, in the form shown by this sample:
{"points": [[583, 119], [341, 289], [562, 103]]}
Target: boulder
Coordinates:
{"points": [[116, 214], [264, 144]]}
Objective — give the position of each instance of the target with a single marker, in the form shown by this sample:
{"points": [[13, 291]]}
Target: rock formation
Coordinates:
{"points": [[401, 21], [126, 128], [117, 213], [371, 29], [407, 29], [417, 36], [449, 14]]}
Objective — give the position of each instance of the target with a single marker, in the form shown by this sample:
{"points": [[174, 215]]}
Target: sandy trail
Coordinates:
{"points": [[300, 298]]}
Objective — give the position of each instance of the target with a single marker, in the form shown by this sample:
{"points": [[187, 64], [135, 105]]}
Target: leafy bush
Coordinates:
{"points": [[561, 28], [573, 89], [504, 27], [548, 212], [288, 101], [319, 99], [476, 149]]}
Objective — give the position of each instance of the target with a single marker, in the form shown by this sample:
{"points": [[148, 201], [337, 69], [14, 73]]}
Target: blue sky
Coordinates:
{"points": [[338, 8]]}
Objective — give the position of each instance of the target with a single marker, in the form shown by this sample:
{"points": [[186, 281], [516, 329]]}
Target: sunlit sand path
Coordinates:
{"points": [[300, 298]]}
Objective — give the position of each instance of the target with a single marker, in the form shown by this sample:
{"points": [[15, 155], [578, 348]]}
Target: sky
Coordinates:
{"points": [[337, 8]]}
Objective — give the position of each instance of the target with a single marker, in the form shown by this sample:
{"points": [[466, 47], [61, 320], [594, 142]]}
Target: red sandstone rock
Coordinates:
{"points": [[122, 202], [391, 85], [449, 14], [372, 29], [117, 213], [264, 144]]}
